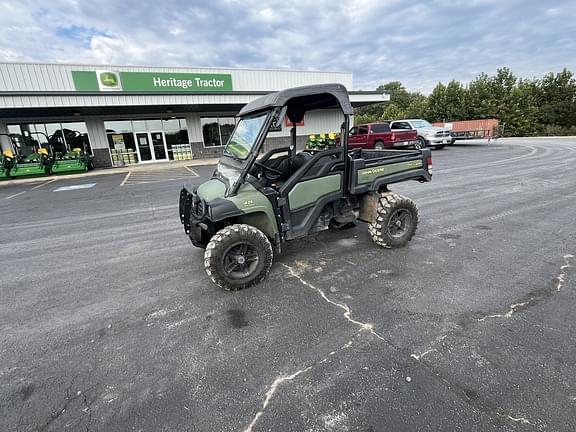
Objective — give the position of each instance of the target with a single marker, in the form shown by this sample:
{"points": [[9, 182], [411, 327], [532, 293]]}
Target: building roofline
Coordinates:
{"points": [[102, 66]]}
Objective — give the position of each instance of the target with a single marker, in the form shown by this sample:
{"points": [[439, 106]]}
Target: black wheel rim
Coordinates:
{"points": [[399, 223], [240, 261]]}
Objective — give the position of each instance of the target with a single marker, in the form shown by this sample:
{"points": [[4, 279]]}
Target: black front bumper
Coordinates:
{"points": [[193, 211]]}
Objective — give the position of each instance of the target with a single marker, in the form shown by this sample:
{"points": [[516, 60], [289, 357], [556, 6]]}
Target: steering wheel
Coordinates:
{"points": [[266, 169]]}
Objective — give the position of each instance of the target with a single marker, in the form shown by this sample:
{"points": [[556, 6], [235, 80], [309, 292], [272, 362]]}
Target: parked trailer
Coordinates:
{"points": [[472, 129]]}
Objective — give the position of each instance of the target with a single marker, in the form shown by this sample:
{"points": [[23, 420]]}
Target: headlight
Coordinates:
{"points": [[429, 133]]}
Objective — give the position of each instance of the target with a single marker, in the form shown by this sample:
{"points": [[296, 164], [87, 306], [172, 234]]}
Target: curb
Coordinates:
{"points": [[111, 171]]}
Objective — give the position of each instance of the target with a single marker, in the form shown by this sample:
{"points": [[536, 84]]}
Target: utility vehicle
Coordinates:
{"points": [[252, 205]]}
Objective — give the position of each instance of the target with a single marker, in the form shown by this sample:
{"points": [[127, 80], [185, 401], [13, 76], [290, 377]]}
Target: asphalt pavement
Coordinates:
{"points": [[108, 321]]}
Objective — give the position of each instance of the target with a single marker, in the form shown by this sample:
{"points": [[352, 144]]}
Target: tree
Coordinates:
{"points": [[454, 101], [557, 99], [418, 106], [393, 112], [520, 110], [527, 106], [437, 103]]}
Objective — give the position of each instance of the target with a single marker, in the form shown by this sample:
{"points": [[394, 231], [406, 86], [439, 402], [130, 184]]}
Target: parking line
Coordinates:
{"points": [[126, 178], [192, 171], [15, 195], [44, 184]]}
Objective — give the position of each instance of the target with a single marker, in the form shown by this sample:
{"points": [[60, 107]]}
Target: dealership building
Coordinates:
{"points": [[126, 114]]}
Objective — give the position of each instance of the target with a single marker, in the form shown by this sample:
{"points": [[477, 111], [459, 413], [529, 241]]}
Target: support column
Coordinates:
{"points": [[4, 140], [98, 141], [197, 141], [194, 127]]}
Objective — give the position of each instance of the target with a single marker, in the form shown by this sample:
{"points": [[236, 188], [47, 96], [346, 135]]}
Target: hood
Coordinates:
{"points": [[211, 190]]}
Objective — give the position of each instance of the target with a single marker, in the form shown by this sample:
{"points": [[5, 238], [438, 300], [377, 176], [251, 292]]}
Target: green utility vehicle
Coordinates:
{"points": [[252, 205]]}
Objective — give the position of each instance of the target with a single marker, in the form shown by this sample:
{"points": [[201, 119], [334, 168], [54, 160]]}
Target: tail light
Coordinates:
{"points": [[429, 163]]}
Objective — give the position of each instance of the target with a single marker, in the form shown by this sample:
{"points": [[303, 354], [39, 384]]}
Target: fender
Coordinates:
{"points": [[248, 206]]}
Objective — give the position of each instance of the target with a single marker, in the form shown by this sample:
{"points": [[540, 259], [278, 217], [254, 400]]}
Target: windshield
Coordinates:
{"points": [[421, 124], [244, 136]]}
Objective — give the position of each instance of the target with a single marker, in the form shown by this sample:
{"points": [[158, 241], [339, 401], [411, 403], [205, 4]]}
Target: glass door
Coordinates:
{"points": [[143, 146], [151, 146], [158, 145]]}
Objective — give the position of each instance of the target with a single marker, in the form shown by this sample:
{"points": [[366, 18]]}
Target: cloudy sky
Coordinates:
{"points": [[418, 43]]}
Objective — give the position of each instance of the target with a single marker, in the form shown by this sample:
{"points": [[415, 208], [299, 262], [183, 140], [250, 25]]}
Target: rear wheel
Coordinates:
{"points": [[421, 143], [378, 145], [396, 221], [238, 256]]}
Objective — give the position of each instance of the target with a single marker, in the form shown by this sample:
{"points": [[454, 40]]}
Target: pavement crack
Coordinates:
{"points": [[419, 356], [520, 420], [536, 296], [513, 308], [87, 409], [270, 393], [54, 416], [562, 276], [347, 311], [430, 349], [282, 379], [471, 397]]}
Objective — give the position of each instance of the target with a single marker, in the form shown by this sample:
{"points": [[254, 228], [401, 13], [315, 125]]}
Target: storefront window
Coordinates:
{"points": [[210, 132], [123, 135], [173, 124], [124, 126], [139, 126], [217, 130], [76, 136], [122, 149], [154, 125], [60, 137], [226, 128], [177, 139]]}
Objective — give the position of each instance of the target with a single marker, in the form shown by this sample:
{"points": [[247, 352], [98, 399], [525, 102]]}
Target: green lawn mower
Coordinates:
{"points": [[51, 159], [321, 141]]}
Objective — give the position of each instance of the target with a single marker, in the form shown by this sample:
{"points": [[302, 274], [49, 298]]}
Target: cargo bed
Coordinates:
{"points": [[374, 169]]}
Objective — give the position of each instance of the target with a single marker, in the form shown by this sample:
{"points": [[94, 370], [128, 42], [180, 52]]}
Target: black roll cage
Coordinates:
{"points": [[296, 102]]}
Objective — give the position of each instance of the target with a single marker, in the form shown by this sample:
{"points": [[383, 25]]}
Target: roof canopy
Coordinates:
{"points": [[299, 100]]}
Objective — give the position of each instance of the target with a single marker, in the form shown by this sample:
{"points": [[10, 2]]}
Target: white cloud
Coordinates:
{"points": [[418, 43]]}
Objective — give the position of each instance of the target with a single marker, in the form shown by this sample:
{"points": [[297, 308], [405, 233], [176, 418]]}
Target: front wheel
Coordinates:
{"points": [[238, 256], [396, 221], [379, 145], [420, 144]]}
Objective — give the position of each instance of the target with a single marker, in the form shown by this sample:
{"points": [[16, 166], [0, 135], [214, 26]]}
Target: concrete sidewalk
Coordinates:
{"points": [[142, 167]]}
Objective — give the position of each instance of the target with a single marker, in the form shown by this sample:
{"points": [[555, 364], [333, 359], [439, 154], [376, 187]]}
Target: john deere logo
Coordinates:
{"points": [[108, 80]]}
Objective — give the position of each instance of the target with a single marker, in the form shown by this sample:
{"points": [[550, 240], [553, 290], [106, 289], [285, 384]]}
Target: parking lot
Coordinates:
{"points": [[108, 321]]}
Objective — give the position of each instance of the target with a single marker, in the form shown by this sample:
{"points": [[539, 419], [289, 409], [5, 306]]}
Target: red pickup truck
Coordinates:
{"points": [[379, 136]]}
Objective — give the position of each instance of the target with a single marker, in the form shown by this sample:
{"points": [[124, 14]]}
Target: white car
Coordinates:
{"points": [[428, 135]]}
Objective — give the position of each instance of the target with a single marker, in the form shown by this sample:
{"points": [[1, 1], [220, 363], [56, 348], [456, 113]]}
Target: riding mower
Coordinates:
{"points": [[76, 160], [73, 161], [13, 165], [252, 205]]}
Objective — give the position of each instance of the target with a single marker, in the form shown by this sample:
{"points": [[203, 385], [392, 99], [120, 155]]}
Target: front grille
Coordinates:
{"points": [[199, 209], [443, 134]]}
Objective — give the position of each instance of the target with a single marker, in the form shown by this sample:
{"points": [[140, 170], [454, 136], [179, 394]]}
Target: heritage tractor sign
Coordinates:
{"points": [[101, 80]]}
